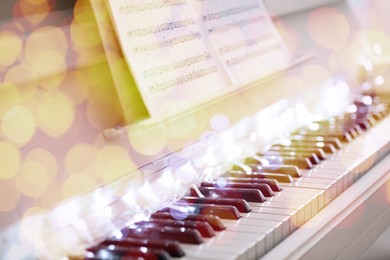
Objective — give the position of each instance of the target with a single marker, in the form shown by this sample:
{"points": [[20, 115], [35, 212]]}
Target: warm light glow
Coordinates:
{"points": [[147, 140], [9, 97], [36, 12], [24, 77], [10, 46], [79, 157], [118, 168], [55, 114], [32, 179], [46, 159], [9, 194], [50, 64], [10, 160], [18, 125], [77, 184], [43, 40], [330, 35]]}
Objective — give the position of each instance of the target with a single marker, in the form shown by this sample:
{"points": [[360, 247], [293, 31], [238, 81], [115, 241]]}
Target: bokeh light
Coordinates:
{"points": [[49, 67], [34, 11], [24, 77], [18, 125], [117, 169], [32, 179], [9, 97], [55, 114], [43, 40], [147, 140], [11, 45], [77, 184], [328, 28], [46, 159], [9, 195], [10, 160], [80, 157]]}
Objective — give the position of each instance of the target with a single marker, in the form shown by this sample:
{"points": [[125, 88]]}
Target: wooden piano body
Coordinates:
{"points": [[113, 166]]}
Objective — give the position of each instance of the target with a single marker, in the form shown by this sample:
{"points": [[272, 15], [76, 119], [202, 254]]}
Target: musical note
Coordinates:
{"points": [[170, 26], [167, 43], [149, 5], [155, 71]]}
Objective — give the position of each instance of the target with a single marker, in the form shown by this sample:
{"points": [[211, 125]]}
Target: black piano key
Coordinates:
{"points": [[257, 175], [255, 165], [173, 248], [251, 195], [203, 227], [183, 235], [264, 188], [273, 184], [240, 204], [222, 211], [120, 253], [214, 221]]}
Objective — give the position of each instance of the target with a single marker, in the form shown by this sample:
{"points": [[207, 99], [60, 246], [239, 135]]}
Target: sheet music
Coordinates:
{"points": [[244, 36], [167, 52]]}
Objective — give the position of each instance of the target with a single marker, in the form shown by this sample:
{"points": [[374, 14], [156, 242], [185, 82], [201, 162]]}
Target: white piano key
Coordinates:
{"points": [[270, 228], [291, 214], [284, 220], [227, 245]]}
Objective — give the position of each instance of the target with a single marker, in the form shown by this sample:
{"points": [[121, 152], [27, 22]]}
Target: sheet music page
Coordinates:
{"points": [[244, 37], [167, 52]]}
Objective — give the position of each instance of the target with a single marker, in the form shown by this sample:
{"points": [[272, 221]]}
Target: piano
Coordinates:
{"points": [[294, 165]]}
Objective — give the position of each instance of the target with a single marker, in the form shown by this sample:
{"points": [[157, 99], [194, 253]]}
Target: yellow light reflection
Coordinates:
{"points": [[77, 184], [117, 169], [147, 140], [9, 97], [45, 39], [55, 114], [111, 153], [10, 160], [46, 159], [32, 179], [71, 87], [330, 35], [50, 64], [24, 77], [79, 157], [18, 125], [34, 13], [9, 195], [11, 45], [52, 195]]}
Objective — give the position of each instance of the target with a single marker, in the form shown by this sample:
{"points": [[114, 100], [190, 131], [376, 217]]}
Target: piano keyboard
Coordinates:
{"points": [[247, 211]]}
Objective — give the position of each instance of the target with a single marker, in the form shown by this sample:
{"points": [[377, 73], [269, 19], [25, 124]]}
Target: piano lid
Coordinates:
{"points": [[57, 98]]}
